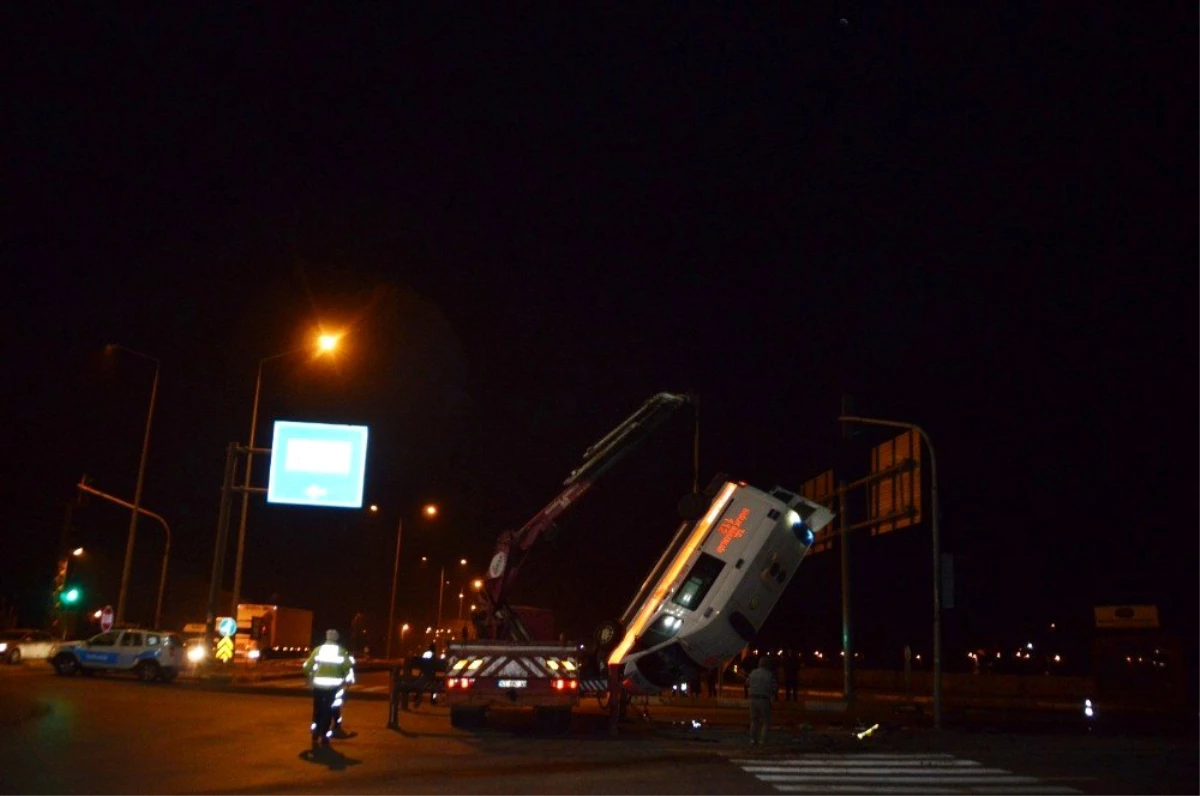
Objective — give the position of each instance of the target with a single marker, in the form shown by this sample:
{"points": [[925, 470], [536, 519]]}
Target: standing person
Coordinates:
{"points": [[791, 674], [762, 688], [329, 669]]}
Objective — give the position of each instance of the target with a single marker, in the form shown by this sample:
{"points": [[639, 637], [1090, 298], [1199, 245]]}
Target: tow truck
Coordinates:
{"points": [[507, 664], [706, 598]]}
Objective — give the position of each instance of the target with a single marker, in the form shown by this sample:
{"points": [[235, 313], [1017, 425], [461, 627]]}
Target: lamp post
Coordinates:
{"points": [[430, 511], [162, 581], [325, 342], [141, 474], [441, 590], [937, 554]]}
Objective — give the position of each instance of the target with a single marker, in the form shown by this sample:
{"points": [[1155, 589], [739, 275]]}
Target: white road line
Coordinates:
{"points": [[849, 764], [891, 773], [919, 779], [947, 772], [863, 789]]}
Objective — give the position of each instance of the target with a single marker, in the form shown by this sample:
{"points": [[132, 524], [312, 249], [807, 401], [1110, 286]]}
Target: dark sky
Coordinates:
{"points": [[531, 219]]}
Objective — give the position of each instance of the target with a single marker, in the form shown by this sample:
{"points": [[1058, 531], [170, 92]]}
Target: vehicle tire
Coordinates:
{"points": [[148, 671], [14, 657], [66, 665]]}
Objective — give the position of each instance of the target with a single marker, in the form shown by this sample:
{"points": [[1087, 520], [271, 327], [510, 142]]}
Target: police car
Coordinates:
{"points": [[149, 654]]}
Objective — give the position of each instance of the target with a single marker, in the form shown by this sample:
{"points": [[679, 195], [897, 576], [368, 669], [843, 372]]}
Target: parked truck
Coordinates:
{"points": [[509, 663], [272, 631]]}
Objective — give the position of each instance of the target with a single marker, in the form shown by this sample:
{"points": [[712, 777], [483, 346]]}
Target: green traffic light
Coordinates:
{"points": [[71, 596]]}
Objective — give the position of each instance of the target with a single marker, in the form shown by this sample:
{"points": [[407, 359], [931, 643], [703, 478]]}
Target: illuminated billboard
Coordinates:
{"points": [[317, 464]]}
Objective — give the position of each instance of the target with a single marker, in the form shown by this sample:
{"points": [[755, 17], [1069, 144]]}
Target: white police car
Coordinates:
{"points": [[149, 654]]}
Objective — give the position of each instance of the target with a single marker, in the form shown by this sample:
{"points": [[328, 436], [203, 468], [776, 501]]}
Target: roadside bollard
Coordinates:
{"points": [[394, 700]]}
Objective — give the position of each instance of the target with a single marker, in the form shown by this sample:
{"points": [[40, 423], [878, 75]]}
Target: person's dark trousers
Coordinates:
{"points": [[322, 713]]}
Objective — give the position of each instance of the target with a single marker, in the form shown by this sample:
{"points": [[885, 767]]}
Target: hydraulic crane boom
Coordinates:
{"points": [[513, 546]]}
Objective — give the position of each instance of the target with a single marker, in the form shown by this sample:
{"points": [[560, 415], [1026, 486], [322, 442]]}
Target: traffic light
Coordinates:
{"points": [[71, 596]]}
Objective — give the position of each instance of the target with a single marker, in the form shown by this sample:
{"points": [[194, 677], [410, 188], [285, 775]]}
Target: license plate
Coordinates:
{"points": [[512, 683]]}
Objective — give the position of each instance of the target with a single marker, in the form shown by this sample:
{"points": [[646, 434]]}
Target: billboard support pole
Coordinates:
{"points": [[937, 557]]}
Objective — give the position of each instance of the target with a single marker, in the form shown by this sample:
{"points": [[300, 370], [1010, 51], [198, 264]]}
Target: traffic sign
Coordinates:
{"points": [[317, 464], [106, 618], [226, 626], [225, 649]]}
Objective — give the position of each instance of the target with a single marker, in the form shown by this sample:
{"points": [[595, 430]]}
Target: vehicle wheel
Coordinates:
{"points": [[66, 665], [14, 657], [147, 671]]}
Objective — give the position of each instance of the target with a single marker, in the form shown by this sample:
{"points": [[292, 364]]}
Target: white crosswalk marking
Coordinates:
{"points": [[890, 773]]}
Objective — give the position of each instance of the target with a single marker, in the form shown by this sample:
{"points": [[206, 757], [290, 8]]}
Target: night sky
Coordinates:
{"points": [[530, 219]]}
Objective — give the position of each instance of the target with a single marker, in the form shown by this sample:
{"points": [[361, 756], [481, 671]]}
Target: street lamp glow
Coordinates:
{"points": [[327, 342], [77, 552], [431, 510]]}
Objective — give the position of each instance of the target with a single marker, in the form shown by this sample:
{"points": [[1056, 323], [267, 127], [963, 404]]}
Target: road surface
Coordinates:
{"points": [[109, 734]]}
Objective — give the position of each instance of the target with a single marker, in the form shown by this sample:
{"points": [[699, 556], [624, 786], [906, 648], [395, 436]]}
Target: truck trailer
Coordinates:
{"points": [[272, 631]]}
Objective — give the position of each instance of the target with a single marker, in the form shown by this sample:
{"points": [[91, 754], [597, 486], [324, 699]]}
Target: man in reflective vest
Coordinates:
{"points": [[329, 669]]}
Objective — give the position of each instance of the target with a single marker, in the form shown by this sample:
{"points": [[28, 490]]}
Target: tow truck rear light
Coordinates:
{"points": [[459, 682], [562, 684]]}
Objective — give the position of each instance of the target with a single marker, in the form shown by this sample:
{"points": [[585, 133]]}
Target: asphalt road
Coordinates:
{"points": [[114, 735]]}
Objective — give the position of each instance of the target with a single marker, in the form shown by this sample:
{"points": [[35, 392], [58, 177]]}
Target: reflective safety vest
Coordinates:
{"points": [[329, 666]]}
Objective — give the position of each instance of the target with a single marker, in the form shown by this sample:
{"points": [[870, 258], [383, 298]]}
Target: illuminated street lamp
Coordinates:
{"points": [[430, 511], [462, 562], [137, 490], [325, 343]]}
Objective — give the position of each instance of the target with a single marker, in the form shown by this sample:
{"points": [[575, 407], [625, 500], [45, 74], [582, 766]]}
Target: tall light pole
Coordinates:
{"points": [[166, 558], [442, 589], [430, 511], [141, 475], [326, 342], [937, 557]]}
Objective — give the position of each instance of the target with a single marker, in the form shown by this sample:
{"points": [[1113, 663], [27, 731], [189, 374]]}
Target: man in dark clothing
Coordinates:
{"points": [[762, 688]]}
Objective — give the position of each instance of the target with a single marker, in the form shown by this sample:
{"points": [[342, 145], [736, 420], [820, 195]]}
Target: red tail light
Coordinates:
{"points": [[458, 682]]}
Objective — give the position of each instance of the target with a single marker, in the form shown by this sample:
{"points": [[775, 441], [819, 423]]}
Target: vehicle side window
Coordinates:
{"points": [[131, 640], [104, 639]]}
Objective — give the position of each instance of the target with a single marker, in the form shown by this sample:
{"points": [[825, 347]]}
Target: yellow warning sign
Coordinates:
{"points": [[225, 649]]}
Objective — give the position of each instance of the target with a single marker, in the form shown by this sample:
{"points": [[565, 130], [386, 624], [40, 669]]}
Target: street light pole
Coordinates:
{"points": [[166, 558], [937, 557], [326, 342], [441, 587], [391, 626], [241, 544], [137, 490]]}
